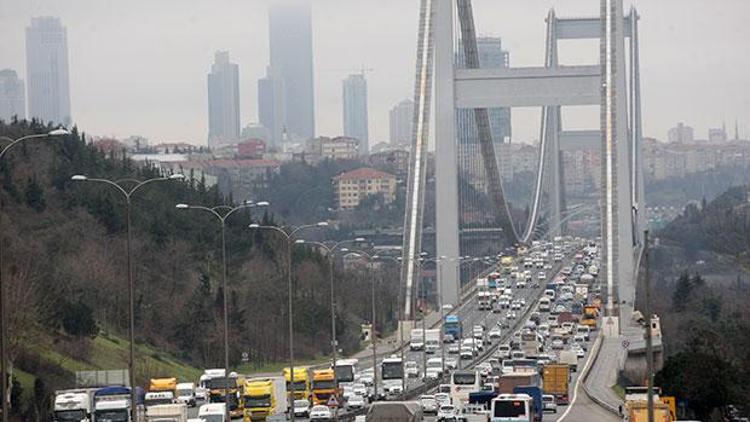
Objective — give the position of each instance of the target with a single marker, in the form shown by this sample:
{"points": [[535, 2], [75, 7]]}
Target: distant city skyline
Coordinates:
{"points": [[151, 82], [48, 92], [12, 95], [354, 110]]}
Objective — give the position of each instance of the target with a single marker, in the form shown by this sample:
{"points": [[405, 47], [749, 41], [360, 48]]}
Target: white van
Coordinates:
{"points": [[585, 330], [212, 412]]}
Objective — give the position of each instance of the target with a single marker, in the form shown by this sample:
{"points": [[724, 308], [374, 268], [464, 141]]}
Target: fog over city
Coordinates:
{"points": [[140, 66]]}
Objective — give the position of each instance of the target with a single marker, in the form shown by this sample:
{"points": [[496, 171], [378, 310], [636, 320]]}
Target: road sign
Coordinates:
{"points": [[625, 344], [333, 402]]}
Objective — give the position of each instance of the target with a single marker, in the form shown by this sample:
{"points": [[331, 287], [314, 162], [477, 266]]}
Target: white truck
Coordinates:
{"points": [[432, 341], [416, 340], [112, 410], [484, 300], [570, 358], [186, 393], [74, 405], [167, 412]]}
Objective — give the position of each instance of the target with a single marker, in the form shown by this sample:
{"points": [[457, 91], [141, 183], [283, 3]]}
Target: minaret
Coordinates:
{"points": [[736, 130]]}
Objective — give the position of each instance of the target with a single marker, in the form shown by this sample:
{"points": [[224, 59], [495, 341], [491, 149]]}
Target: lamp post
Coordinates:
{"points": [[222, 218], [330, 250], [288, 237], [3, 315], [127, 194]]}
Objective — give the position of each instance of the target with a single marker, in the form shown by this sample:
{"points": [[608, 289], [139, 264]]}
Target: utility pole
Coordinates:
{"points": [[649, 346]]}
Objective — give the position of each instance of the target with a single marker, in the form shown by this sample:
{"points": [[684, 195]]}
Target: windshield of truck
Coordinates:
{"points": [[217, 383], [509, 408], [298, 385], [185, 393], [70, 415], [345, 373], [323, 385], [119, 415], [464, 378], [392, 370], [258, 401]]}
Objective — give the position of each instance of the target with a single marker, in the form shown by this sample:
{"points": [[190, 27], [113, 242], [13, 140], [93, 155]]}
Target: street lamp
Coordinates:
{"points": [[288, 237], [372, 322], [222, 217], [330, 250], [3, 320], [127, 194]]}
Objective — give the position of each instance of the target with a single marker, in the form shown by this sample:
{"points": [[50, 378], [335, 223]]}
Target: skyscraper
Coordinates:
{"points": [[12, 98], [355, 110], [271, 106], [47, 70], [223, 100], [401, 121], [290, 35]]}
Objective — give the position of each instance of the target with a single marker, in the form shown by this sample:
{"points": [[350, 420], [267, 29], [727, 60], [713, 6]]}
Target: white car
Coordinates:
{"points": [[447, 412], [355, 402], [495, 332], [521, 284], [201, 393], [510, 315], [454, 348], [558, 344], [451, 363], [467, 353], [359, 389], [301, 408], [428, 403], [485, 369], [320, 413], [548, 403], [515, 305], [542, 275]]}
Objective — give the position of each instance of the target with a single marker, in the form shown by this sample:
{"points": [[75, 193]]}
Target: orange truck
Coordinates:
{"points": [[637, 411], [556, 381], [590, 314]]}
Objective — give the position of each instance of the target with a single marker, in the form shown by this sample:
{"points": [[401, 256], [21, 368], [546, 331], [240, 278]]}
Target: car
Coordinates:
{"points": [[542, 275], [484, 368], [201, 393], [355, 401], [521, 284], [442, 398], [549, 403], [466, 353], [510, 315], [454, 348], [359, 389], [557, 343], [451, 363], [428, 403], [503, 351], [302, 408], [580, 353], [503, 324], [411, 369], [522, 301], [433, 373], [447, 412], [320, 413], [495, 332], [515, 305]]}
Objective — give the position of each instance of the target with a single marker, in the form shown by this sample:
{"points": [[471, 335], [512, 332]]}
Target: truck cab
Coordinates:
{"points": [[324, 386], [72, 406], [259, 399], [112, 410], [302, 384]]}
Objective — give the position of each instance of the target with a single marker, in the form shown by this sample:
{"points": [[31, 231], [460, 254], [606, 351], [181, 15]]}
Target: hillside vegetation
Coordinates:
{"points": [[64, 265]]}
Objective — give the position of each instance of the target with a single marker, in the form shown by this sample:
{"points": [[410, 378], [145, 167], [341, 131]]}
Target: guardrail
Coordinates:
{"points": [[584, 377]]}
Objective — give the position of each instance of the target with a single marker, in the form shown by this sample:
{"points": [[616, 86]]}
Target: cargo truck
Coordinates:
{"points": [[637, 411], [556, 379], [176, 412], [405, 411], [535, 393], [264, 398], [302, 383], [217, 389], [432, 341], [570, 358], [74, 405], [416, 340], [590, 313], [323, 386], [507, 382], [163, 384], [112, 403]]}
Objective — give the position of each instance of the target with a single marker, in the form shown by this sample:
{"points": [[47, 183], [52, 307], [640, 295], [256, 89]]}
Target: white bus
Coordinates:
{"points": [[512, 408], [347, 371], [392, 375], [464, 382]]}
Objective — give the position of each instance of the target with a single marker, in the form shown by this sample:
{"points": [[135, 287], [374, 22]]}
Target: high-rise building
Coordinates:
{"points": [[290, 36], [401, 120], [717, 135], [223, 100], [12, 97], [681, 133], [355, 110], [271, 109], [47, 70]]}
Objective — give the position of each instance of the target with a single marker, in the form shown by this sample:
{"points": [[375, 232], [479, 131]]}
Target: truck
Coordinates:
{"points": [[484, 300], [556, 379], [163, 385], [432, 341], [112, 410], [401, 411], [569, 358], [302, 382], [530, 343], [590, 314], [186, 393], [264, 397], [452, 327], [581, 290], [416, 340], [507, 382], [74, 405], [637, 411], [535, 393], [176, 412], [323, 386], [218, 387]]}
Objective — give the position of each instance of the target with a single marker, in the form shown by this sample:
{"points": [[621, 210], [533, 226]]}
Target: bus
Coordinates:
{"points": [[512, 408], [347, 372], [392, 375], [462, 383], [452, 326]]}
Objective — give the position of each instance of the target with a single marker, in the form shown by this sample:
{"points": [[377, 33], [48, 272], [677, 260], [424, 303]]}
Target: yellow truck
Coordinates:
{"points": [[302, 387], [217, 389], [324, 386], [556, 382], [590, 314], [264, 397], [506, 261], [637, 411], [163, 384]]}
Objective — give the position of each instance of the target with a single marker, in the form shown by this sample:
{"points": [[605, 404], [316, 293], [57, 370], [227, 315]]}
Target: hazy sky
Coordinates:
{"points": [[139, 66]]}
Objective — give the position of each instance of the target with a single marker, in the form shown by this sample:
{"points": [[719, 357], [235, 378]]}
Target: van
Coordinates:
{"points": [[212, 412], [585, 330], [550, 294], [186, 393]]}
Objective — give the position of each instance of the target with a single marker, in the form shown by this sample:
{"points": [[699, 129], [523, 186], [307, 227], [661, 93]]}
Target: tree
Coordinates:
{"points": [[78, 319], [682, 291]]}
